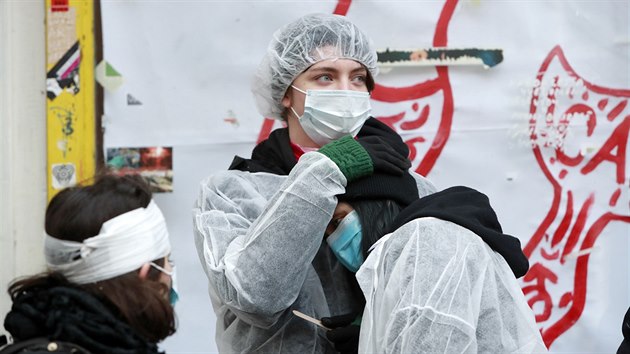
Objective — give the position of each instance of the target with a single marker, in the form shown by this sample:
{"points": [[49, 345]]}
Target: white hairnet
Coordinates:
{"points": [[298, 45]]}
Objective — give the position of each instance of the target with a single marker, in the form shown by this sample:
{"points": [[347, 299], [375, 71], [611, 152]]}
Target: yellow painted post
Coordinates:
{"points": [[70, 111]]}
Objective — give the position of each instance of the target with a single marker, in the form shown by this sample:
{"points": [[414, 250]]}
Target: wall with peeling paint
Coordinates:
{"points": [[22, 142]]}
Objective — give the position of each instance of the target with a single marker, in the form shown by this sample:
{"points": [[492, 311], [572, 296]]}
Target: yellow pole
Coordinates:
{"points": [[70, 108]]}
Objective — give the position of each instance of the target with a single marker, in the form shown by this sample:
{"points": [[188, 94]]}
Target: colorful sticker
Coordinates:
{"points": [[154, 164], [440, 56], [65, 74], [63, 175], [107, 76]]}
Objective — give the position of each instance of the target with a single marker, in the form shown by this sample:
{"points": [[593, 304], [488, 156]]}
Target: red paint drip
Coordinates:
{"points": [[565, 300], [549, 256], [615, 197], [617, 110], [412, 148], [391, 120], [422, 118], [397, 94], [578, 227], [265, 130], [564, 224], [342, 7], [602, 104]]}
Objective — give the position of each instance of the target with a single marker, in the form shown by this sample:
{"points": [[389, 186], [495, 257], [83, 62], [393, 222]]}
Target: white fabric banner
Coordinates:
{"points": [[544, 134]]}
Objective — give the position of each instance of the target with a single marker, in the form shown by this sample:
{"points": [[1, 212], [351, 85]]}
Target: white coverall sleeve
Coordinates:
{"points": [[435, 287], [256, 234]]}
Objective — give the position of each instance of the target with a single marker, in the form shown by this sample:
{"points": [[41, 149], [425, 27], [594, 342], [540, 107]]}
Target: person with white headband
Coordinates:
{"points": [[109, 287]]}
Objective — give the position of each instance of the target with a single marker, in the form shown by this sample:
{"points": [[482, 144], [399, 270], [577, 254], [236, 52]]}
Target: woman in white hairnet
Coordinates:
{"points": [[316, 76], [258, 232]]}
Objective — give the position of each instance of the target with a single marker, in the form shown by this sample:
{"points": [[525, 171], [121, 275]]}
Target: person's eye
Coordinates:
{"points": [[334, 223], [332, 226], [324, 78], [359, 78]]}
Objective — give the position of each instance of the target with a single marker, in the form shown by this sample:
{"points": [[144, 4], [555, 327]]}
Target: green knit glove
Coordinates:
{"points": [[351, 158]]}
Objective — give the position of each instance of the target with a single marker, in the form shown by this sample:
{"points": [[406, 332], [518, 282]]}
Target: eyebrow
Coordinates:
{"points": [[333, 69]]}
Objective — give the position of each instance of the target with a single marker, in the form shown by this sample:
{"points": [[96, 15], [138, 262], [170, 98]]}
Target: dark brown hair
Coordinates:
{"points": [[78, 213], [376, 217]]}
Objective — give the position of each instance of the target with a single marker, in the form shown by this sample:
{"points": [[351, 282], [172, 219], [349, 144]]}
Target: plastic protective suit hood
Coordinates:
{"points": [[435, 284]]}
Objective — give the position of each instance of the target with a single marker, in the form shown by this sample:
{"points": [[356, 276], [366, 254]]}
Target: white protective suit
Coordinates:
{"points": [[259, 237], [430, 286], [433, 286]]}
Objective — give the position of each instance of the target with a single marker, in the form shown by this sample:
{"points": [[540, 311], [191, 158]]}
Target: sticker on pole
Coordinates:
{"points": [[63, 175]]}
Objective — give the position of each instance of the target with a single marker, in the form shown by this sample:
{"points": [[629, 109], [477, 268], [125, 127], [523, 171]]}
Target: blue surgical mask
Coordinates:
{"points": [[173, 296], [345, 242]]}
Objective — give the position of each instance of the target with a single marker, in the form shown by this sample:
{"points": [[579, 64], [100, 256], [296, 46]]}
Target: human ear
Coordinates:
{"points": [[286, 100], [144, 271]]}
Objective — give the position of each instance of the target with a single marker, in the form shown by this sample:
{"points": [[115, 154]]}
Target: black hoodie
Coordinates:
{"points": [[73, 315], [470, 209]]}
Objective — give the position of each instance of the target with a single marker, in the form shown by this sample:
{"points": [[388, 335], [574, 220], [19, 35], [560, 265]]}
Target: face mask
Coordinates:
{"points": [[332, 114], [173, 295], [345, 242]]}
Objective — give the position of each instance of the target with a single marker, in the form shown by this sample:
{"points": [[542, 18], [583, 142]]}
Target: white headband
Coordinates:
{"points": [[124, 244]]}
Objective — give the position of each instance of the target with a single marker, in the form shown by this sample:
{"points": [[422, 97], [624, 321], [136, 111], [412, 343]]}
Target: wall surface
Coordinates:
{"points": [[544, 134], [193, 81], [22, 141]]}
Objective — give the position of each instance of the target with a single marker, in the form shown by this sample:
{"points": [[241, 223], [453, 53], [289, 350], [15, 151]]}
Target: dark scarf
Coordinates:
{"points": [[274, 155], [72, 315], [461, 205], [470, 209]]}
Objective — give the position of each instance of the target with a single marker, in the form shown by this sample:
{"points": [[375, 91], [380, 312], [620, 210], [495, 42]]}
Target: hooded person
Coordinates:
{"points": [[438, 273], [259, 226]]}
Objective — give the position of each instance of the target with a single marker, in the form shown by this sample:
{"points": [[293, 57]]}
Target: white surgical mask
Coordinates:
{"points": [[332, 114]]}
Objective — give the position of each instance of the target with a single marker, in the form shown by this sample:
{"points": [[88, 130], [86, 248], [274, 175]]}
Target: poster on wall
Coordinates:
{"points": [[543, 131], [154, 164]]}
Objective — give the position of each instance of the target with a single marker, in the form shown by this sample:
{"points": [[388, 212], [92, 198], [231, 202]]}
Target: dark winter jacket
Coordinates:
{"points": [[61, 313]]}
